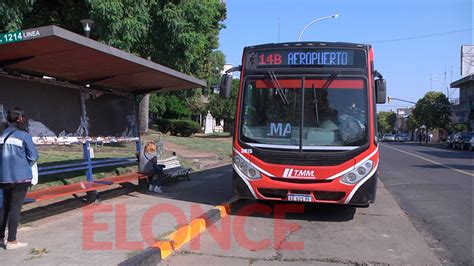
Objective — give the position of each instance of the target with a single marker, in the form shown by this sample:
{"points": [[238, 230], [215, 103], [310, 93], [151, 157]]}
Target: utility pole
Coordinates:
{"points": [[445, 71], [451, 73], [278, 29]]}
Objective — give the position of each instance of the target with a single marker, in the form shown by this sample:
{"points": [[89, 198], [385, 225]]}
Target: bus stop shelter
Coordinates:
{"points": [[75, 89], [66, 60]]}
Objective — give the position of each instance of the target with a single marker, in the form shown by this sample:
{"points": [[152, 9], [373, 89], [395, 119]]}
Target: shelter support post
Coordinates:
{"points": [[142, 182], [92, 196], [87, 157]]}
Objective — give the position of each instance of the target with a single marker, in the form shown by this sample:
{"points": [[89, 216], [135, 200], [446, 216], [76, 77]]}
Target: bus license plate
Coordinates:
{"points": [[300, 197]]}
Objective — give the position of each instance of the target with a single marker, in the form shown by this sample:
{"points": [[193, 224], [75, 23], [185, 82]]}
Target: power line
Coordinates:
{"points": [[421, 36]]}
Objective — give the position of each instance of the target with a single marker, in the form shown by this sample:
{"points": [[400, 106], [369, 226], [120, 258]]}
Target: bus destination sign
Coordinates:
{"points": [[306, 58]]}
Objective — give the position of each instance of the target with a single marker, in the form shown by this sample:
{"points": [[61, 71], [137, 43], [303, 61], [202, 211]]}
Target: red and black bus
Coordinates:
{"points": [[305, 126]]}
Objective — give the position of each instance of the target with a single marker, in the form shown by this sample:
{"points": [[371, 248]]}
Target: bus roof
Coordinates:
{"points": [[309, 44]]}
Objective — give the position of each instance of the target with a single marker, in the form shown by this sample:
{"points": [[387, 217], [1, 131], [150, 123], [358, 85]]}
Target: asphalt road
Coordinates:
{"points": [[434, 188]]}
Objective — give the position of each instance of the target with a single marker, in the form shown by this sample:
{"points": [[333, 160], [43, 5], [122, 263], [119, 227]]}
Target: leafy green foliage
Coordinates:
{"points": [[185, 32], [214, 67], [459, 128], [12, 13], [386, 121], [195, 102], [164, 125], [123, 24], [63, 13], [184, 128], [225, 108], [157, 104], [412, 124], [176, 108], [433, 110]]}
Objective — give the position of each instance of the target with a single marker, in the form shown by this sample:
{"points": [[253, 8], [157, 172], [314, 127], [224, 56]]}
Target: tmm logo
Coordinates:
{"points": [[290, 172]]}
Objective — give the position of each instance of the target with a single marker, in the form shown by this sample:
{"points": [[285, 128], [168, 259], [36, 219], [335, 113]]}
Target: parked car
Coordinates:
{"points": [[388, 137], [401, 137], [471, 144], [462, 140], [449, 141]]}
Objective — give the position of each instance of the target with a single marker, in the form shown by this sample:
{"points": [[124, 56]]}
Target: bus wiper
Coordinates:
{"points": [[276, 85], [315, 96], [330, 80], [315, 102]]}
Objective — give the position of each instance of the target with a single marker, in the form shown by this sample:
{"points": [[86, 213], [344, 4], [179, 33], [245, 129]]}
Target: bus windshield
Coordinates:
{"points": [[323, 113]]}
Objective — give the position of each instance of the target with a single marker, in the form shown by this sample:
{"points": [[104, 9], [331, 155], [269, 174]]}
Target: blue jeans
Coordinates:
{"points": [[13, 196], [157, 178]]}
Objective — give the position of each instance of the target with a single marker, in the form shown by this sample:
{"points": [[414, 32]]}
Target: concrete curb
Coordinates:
{"points": [[160, 250]]}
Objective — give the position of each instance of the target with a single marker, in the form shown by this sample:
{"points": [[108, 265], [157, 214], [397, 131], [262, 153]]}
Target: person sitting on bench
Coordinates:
{"points": [[148, 165]]}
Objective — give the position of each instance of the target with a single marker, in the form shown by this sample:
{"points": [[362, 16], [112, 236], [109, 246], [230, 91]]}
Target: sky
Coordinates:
{"points": [[407, 65]]}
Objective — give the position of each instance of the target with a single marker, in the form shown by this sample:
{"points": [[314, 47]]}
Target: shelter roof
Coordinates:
{"points": [[55, 52]]}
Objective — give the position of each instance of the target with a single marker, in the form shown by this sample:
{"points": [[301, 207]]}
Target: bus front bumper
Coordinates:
{"points": [[331, 191]]}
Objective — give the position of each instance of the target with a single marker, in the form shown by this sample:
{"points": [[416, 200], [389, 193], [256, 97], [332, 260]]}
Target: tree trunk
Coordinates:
{"points": [[143, 111]]}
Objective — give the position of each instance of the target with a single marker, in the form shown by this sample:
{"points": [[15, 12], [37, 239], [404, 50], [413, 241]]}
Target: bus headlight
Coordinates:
{"points": [[358, 174], [249, 171]]}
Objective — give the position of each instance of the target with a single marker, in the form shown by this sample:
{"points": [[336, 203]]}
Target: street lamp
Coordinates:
{"points": [[315, 21], [87, 25]]}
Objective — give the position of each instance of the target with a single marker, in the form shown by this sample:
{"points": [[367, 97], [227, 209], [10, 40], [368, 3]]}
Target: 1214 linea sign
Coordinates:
{"points": [[18, 36]]}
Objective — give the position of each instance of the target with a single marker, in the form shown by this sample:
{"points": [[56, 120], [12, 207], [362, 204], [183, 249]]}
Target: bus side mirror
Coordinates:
{"points": [[225, 86], [380, 90]]}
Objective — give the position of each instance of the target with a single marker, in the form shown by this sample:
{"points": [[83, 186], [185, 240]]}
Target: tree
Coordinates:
{"points": [[433, 110], [176, 108], [12, 13], [386, 122], [185, 32], [143, 113], [195, 103], [412, 124], [459, 128], [157, 105], [214, 68], [225, 108], [45, 12]]}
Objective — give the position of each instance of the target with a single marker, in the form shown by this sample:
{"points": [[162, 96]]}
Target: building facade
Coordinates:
{"points": [[463, 113]]}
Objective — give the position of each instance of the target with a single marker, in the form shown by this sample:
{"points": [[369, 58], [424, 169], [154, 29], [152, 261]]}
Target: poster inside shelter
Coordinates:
{"points": [[55, 111]]}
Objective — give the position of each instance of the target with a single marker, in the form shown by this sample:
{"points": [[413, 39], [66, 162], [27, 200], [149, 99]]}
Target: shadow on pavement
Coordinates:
{"points": [[312, 212], [212, 187], [69, 204]]}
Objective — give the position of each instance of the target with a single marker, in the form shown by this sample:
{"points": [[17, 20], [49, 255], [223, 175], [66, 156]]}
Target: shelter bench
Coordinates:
{"points": [[89, 185], [81, 187], [173, 169]]}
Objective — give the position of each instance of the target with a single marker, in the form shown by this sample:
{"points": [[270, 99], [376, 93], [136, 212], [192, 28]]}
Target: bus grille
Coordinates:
{"points": [[273, 193], [328, 195]]}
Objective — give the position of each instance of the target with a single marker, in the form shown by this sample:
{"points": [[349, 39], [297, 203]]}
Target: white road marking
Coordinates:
{"points": [[431, 161], [448, 216]]}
